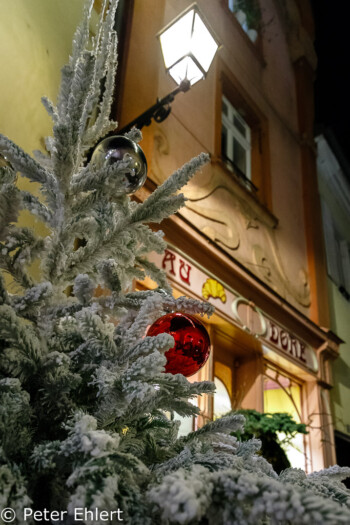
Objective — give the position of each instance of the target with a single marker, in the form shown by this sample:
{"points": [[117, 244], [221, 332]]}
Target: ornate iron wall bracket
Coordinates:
{"points": [[159, 111]]}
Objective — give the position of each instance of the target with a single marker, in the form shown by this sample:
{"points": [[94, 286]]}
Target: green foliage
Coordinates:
{"points": [[257, 422], [266, 426], [252, 11]]}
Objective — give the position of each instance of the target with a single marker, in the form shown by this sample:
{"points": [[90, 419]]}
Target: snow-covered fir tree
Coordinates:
{"points": [[83, 393]]}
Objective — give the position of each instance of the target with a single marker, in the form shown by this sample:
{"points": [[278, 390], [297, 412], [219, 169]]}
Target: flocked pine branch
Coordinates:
{"points": [[85, 405]]}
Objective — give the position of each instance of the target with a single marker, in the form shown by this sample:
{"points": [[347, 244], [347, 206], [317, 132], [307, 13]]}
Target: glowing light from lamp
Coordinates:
{"points": [[188, 47]]}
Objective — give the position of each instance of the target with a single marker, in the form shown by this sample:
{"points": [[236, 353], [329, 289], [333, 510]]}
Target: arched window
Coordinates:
{"points": [[222, 401], [282, 394]]}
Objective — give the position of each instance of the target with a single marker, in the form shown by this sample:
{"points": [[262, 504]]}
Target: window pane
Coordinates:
{"points": [[283, 395], [238, 124], [239, 157], [222, 401], [235, 139], [186, 423], [224, 142]]}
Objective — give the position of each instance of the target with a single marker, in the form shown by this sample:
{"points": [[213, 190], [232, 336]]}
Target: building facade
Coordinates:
{"points": [[249, 238], [334, 187]]}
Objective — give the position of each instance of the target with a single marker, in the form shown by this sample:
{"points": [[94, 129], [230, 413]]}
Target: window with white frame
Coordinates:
{"points": [[235, 139], [337, 251]]}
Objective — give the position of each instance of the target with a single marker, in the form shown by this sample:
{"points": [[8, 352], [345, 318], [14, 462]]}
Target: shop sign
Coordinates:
{"points": [[239, 309], [177, 267], [286, 342]]}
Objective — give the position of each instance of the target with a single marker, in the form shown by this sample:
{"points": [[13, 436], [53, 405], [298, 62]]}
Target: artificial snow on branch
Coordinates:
{"points": [[86, 408]]}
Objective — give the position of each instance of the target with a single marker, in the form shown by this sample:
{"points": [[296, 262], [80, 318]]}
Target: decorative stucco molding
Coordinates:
{"points": [[226, 213]]}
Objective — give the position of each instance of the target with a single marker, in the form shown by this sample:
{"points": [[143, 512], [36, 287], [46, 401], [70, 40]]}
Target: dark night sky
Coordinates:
{"points": [[332, 86]]}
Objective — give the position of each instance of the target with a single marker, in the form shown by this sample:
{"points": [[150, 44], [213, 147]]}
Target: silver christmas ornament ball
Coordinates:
{"points": [[115, 148]]}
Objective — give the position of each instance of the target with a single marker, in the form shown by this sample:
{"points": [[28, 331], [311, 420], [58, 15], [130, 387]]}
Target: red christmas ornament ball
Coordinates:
{"points": [[192, 343]]}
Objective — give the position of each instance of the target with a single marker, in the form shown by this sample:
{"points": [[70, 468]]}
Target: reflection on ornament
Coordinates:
{"points": [[4, 163], [116, 148], [211, 288], [192, 343], [163, 292]]}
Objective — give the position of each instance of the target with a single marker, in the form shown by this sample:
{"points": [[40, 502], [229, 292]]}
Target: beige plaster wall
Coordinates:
{"points": [[35, 42]]}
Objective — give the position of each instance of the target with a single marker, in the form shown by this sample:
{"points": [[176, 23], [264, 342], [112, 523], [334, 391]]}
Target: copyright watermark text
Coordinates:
{"points": [[8, 515]]}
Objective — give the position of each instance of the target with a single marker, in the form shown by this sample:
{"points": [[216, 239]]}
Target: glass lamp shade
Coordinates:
{"points": [[188, 47]]}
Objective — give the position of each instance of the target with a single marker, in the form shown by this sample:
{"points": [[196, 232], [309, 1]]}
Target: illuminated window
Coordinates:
{"points": [[235, 139], [186, 423], [222, 401], [281, 394]]}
